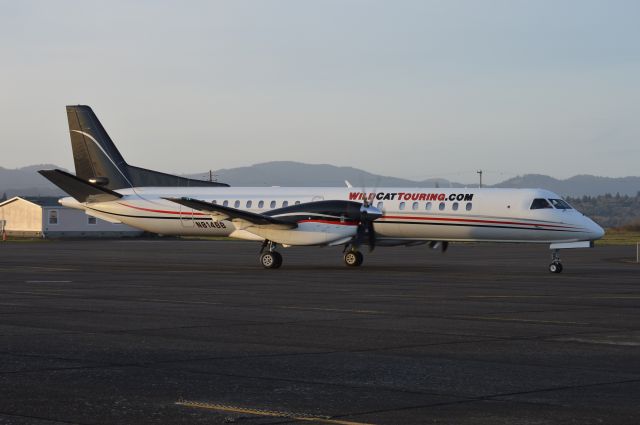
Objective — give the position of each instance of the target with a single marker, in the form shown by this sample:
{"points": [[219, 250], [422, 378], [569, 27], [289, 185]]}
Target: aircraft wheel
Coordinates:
{"points": [[353, 258], [278, 259], [271, 260], [555, 267]]}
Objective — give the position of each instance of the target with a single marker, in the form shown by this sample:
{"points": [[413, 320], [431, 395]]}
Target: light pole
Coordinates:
{"points": [[480, 174]]}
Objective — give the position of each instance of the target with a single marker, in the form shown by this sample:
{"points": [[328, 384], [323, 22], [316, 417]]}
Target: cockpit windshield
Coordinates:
{"points": [[560, 204], [540, 203]]}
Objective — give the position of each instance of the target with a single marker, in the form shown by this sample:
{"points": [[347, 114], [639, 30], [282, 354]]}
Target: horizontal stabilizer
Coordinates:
{"points": [[232, 214], [80, 190]]}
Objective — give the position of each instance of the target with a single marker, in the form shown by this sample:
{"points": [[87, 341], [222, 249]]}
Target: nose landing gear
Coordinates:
{"points": [[270, 259], [556, 265]]}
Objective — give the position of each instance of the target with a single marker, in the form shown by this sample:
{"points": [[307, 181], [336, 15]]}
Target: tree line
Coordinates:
{"points": [[610, 210]]}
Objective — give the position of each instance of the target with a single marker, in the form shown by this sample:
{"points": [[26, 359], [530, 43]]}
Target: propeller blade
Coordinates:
{"points": [[359, 235], [372, 236]]}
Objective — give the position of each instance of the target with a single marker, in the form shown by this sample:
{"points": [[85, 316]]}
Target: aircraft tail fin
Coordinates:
{"points": [[96, 157], [94, 154]]}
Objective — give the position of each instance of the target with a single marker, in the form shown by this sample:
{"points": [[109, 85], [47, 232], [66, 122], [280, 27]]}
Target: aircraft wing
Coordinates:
{"points": [[245, 218]]}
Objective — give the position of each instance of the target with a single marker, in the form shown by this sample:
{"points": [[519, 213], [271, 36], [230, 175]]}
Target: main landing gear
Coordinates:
{"points": [[353, 257], [556, 265], [270, 259]]}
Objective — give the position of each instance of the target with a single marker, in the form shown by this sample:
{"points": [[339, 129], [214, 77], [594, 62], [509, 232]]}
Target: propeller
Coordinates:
{"points": [[368, 214]]}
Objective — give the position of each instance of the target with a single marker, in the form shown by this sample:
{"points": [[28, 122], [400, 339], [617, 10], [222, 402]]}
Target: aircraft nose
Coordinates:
{"points": [[596, 231]]}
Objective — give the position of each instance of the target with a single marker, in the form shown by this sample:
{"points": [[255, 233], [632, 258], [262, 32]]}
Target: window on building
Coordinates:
{"points": [[441, 206], [285, 204], [249, 203], [236, 204], [272, 204], [427, 206], [53, 217], [415, 206], [92, 220], [469, 206], [455, 206], [261, 204], [401, 205]]}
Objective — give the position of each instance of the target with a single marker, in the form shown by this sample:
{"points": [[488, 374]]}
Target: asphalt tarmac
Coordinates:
{"points": [[196, 332]]}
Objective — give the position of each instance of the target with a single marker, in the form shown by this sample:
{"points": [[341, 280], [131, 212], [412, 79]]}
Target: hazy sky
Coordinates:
{"points": [[412, 89]]}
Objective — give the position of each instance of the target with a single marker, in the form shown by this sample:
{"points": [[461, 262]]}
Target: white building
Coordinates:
{"points": [[44, 217]]}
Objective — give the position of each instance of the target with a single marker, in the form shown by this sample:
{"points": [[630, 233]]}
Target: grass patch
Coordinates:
{"points": [[620, 236]]}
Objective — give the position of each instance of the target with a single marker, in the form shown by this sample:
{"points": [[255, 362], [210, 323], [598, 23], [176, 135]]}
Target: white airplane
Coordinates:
{"points": [[106, 187]]}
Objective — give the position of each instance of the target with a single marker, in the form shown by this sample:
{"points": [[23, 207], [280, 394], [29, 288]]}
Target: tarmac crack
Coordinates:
{"points": [[42, 418], [494, 397]]}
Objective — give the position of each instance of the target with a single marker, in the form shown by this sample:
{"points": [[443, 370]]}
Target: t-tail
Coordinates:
{"points": [[98, 161]]}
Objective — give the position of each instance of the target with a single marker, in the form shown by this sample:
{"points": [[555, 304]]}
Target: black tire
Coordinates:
{"points": [[555, 268], [353, 258], [278, 257], [269, 260]]}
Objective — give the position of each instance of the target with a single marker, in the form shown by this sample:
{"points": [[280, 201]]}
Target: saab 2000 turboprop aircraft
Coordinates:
{"points": [[106, 187]]}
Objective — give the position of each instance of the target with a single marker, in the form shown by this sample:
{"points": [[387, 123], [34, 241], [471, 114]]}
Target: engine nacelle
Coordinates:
{"points": [[312, 232]]}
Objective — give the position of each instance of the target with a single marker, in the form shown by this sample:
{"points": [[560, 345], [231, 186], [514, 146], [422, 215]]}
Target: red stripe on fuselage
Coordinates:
{"points": [[162, 211]]}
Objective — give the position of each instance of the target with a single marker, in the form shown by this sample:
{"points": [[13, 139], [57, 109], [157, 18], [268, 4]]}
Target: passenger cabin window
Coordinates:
{"points": [[540, 203], [297, 203], [249, 203], [285, 204], [261, 204], [236, 204], [380, 205], [415, 206], [455, 206], [225, 203], [427, 206], [441, 206], [92, 220], [560, 204], [401, 205], [272, 204], [468, 206], [53, 217]]}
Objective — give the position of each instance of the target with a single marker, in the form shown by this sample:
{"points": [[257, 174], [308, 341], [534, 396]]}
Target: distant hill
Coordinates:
{"points": [[581, 185], [26, 181], [289, 173]]}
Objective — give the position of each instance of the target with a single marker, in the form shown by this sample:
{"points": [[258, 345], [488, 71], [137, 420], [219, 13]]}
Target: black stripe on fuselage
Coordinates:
{"points": [[476, 225], [376, 223]]}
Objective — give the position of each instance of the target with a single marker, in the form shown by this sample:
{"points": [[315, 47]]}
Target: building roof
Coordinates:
{"points": [[43, 201]]}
